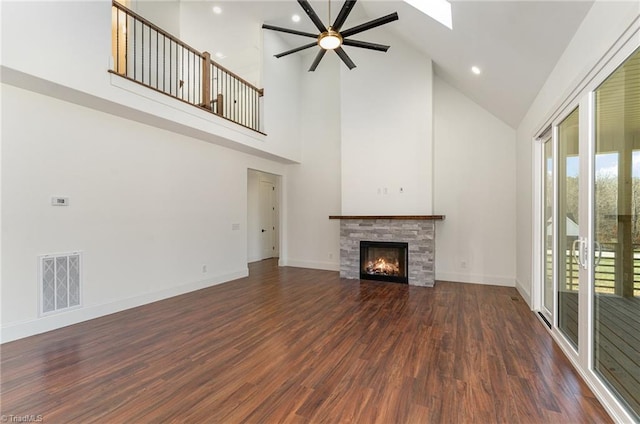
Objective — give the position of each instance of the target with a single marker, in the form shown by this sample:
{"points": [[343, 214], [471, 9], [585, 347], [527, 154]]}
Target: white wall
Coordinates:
{"points": [[70, 67], [313, 188], [387, 131], [602, 26], [238, 38], [475, 188], [160, 12], [282, 99], [146, 192], [147, 208]]}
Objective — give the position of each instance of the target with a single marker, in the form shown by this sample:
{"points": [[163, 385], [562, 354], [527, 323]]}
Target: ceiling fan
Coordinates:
{"points": [[331, 38]]}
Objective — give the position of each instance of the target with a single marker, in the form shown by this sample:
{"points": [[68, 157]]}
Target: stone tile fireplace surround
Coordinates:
{"points": [[416, 230]]}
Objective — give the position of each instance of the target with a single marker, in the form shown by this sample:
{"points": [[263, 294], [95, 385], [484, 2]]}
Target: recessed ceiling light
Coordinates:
{"points": [[440, 10], [476, 70], [295, 18], [217, 10], [220, 55]]}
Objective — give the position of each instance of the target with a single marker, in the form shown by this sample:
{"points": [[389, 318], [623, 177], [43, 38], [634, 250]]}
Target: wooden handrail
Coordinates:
{"points": [[189, 78], [185, 45], [155, 27], [239, 78]]}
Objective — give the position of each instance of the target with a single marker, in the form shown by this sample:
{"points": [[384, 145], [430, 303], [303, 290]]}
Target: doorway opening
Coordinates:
{"points": [[263, 215]]}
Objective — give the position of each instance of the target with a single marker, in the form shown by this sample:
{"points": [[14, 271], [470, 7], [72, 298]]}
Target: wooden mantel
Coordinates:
{"points": [[407, 217]]}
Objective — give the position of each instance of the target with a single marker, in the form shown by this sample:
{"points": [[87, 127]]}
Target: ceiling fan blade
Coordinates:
{"points": [[317, 60], [297, 49], [365, 45], [371, 24], [345, 58], [289, 31], [312, 15], [344, 12]]}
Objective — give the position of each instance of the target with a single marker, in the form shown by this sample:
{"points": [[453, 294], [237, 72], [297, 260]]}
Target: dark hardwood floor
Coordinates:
{"points": [[298, 345]]}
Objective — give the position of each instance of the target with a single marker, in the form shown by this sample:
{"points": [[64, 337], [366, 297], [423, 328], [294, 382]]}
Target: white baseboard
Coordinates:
{"points": [[524, 293], [24, 329], [327, 266], [476, 279], [252, 259]]}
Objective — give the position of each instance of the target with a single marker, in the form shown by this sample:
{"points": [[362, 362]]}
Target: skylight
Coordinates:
{"points": [[440, 10]]}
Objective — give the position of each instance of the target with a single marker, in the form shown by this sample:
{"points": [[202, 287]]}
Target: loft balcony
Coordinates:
{"points": [[146, 54]]}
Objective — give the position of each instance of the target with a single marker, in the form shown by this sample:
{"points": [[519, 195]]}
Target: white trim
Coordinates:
{"points": [[537, 276], [554, 220], [327, 266], [589, 170], [491, 280], [523, 293], [252, 259], [584, 189], [52, 322], [173, 102]]}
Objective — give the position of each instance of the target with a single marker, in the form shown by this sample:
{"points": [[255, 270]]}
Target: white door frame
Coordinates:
{"points": [[583, 97]]}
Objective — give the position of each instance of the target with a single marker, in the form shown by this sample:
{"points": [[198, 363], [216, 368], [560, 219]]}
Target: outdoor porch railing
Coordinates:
{"points": [[605, 272], [144, 53]]}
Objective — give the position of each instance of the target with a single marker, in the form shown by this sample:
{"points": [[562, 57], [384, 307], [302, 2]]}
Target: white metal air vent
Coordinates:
{"points": [[59, 281]]}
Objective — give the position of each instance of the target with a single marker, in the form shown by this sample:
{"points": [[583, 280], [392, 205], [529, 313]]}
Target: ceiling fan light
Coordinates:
{"points": [[330, 40]]}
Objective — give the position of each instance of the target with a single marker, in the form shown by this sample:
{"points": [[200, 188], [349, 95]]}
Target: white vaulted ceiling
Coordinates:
{"points": [[516, 44]]}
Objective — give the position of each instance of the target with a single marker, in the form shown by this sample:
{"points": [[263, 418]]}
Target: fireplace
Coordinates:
{"points": [[418, 231], [384, 261]]}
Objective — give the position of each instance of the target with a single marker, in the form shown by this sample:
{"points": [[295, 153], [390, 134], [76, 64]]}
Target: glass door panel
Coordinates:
{"points": [[616, 276], [567, 226], [547, 243]]}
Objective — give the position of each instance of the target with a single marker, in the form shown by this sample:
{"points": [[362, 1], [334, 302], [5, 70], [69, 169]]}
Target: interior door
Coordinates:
{"points": [[267, 220]]}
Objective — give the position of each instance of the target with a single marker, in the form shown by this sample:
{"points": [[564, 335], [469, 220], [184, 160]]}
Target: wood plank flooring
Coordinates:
{"points": [[617, 333], [303, 346]]}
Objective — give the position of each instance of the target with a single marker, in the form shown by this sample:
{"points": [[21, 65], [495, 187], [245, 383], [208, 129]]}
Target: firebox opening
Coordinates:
{"points": [[384, 261]]}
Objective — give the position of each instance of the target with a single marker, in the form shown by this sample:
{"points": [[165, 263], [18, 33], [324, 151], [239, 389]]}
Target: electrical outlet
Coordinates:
{"points": [[330, 255], [463, 264], [204, 269]]}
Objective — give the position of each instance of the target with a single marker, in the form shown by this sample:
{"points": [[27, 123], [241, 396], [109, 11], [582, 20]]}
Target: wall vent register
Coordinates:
{"points": [[60, 282]]}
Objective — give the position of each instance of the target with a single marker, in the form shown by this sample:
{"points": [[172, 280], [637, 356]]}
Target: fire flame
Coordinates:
{"points": [[381, 267]]}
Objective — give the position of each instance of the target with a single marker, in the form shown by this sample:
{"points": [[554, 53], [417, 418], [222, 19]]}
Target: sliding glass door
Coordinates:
{"points": [[616, 276], [567, 266], [589, 284]]}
